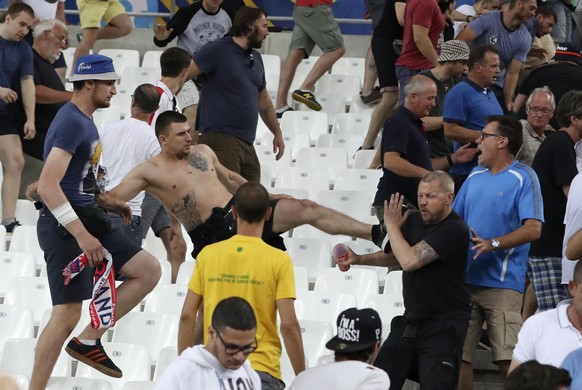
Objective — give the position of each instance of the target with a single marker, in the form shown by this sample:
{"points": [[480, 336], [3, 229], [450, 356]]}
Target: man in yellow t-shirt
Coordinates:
{"points": [[246, 266]]}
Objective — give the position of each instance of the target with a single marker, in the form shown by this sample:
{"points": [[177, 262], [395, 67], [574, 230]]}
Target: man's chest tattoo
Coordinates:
{"points": [[198, 161]]}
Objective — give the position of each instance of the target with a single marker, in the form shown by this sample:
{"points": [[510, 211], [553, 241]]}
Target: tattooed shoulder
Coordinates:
{"points": [[198, 161]]}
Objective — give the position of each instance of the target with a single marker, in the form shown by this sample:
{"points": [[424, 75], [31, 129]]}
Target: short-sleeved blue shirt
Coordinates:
{"points": [[403, 134], [468, 105], [15, 62], [233, 78], [511, 44], [495, 205], [74, 132]]}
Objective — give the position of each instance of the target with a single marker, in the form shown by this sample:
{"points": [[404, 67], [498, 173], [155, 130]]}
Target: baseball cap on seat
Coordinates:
{"points": [[94, 67], [568, 51], [356, 330]]}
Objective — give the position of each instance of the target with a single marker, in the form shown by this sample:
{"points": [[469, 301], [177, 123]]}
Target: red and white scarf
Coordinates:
{"points": [[102, 306]]}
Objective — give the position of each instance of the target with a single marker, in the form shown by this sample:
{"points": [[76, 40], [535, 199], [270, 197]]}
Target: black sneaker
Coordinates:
{"points": [[94, 356], [307, 98], [379, 234], [11, 226], [280, 114]]}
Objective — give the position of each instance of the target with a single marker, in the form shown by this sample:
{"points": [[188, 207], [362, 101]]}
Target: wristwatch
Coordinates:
{"points": [[495, 244]]}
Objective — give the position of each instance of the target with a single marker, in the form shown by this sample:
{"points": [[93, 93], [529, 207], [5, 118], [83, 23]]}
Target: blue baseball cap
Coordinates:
{"points": [[94, 67]]}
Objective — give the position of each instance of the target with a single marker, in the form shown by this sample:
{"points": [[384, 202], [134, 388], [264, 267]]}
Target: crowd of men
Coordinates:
{"points": [[491, 242]]}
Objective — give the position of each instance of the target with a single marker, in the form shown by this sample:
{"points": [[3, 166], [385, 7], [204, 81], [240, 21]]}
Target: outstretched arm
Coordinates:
{"points": [[132, 184]]}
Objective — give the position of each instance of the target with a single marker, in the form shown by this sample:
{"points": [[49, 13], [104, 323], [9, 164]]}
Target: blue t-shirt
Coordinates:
{"points": [[403, 134], [573, 364], [232, 80], [495, 205], [74, 132], [469, 105], [511, 44], [15, 62]]}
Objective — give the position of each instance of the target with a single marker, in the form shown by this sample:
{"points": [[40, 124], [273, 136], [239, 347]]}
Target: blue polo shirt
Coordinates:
{"points": [[403, 134], [495, 205], [468, 104]]}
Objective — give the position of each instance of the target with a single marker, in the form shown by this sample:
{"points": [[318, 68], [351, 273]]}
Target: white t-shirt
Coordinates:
{"points": [[126, 144], [573, 222], [43, 10], [166, 103], [547, 337], [346, 375], [196, 368]]}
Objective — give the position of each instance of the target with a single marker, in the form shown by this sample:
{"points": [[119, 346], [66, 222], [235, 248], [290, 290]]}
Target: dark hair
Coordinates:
{"points": [[570, 105], [546, 12], [252, 202], [173, 61], [244, 19], [17, 8], [361, 356], [477, 54], [147, 98], [165, 120], [511, 128], [533, 375], [235, 313]]}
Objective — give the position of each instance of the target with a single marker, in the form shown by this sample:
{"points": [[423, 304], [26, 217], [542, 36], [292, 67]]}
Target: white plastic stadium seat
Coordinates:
{"points": [[356, 204], [15, 322], [331, 159], [358, 180], [322, 305], [18, 358], [356, 281], [167, 298], [310, 253], [312, 123], [24, 239], [351, 123], [151, 58], [32, 292], [15, 265], [167, 356], [315, 334], [310, 179], [352, 66], [122, 58], [344, 84], [348, 142], [68, 383]]}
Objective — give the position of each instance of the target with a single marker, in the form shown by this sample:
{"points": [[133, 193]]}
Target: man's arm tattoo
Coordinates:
{"points": [[424, 253]]}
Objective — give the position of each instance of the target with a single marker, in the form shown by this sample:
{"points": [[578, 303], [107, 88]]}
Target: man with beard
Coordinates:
{"points": [[431, 246], [70, 224], [234, 91]]}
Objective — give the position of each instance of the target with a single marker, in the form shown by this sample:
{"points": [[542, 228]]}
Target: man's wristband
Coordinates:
{"points": [[64, 214], [450, 160]]}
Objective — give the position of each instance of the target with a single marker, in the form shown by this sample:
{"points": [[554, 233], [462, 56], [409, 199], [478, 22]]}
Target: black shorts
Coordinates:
{"points": [[221, 226], [60, 247], [7, 125], [432, 359], [385, 58]]}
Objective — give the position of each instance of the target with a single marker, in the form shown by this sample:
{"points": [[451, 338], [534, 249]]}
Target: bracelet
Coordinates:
{"points": [[64, 214], [450, 160]]}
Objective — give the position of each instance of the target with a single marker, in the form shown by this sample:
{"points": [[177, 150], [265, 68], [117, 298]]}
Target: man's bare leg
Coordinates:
{"points": [[118, 27], [379, 116], [530, 303], [503, 366], [370, 73], [321, 66], [143, 272], [466, 376], [291, 213], [175, 248], [286, 77], [85, 46], [63, 320], [12, 159]]}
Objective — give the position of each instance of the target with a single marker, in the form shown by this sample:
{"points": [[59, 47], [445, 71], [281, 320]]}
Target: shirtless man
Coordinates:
{"points": [[198, 190]]}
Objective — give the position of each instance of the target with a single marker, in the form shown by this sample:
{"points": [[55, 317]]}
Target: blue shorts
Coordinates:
{"points": [[7, 125], [60, 247]]}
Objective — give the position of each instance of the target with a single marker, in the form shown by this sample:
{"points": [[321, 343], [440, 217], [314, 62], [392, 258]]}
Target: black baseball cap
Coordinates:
{"points": [[357, 329]]}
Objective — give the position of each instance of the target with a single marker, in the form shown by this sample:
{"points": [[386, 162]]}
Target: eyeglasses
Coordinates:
{"points": [[251, 59], [233, 349], [484, 135], [539, 110], [63, 39]]}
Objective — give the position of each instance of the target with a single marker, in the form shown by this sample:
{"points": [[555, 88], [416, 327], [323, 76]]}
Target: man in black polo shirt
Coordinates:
{"points": [[405, 154], [50, 39], [431, 246]]}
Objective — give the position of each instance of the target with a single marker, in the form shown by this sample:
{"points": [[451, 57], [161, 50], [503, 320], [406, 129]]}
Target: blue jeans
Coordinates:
{"points": [[133, 231]]}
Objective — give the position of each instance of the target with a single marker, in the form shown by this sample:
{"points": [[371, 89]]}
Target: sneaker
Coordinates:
{"points": [[94, 356], [11, 226], [280, 114], [307, 98], [374, 97], [379, 234]]}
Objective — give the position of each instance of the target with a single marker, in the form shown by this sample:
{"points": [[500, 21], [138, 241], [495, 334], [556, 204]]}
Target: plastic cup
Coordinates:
{"points": [[340, 255]]}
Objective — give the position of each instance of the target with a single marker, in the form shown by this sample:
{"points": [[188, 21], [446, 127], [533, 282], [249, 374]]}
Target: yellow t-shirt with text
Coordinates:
{"points": [[247, 267]]}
